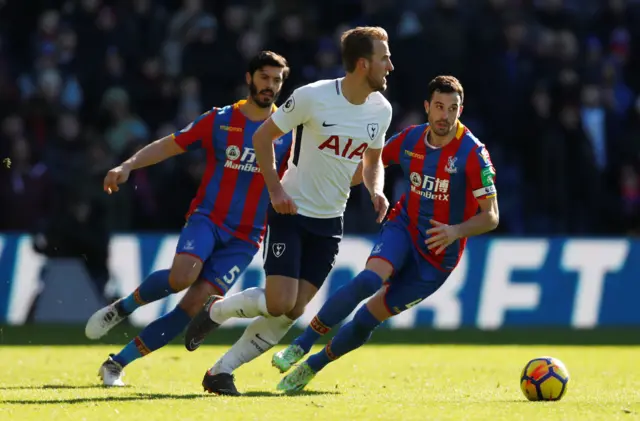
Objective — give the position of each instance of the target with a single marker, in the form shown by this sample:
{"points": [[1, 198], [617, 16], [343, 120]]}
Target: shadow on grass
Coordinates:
{"points": [[137, 396], [53, 387], [134, 397], [260, 393]]}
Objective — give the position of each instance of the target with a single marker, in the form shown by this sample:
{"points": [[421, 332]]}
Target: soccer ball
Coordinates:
{"points": [[544, 379]]}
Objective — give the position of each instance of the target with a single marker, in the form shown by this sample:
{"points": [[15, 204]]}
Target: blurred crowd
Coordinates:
{"points": [[551, 88]]}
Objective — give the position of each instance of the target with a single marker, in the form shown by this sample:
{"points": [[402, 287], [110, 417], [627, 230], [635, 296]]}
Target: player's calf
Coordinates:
{"points": [[247, 304], [351, 336], [342, 303], [378, 305], [276, 300], [154, 287], [197, 294], [286, 358]]}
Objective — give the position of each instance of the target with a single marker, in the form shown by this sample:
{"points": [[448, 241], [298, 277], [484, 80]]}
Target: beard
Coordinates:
{"points": [[376, 85], [442, 131], [253, 92]]}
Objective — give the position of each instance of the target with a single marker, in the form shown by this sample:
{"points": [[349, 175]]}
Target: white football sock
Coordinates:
{"points": [[259, 337], [246, 304]]}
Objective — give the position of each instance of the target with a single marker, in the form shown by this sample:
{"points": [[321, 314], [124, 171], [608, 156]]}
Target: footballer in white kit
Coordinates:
{"points": [[338, 124], [331, 138]]}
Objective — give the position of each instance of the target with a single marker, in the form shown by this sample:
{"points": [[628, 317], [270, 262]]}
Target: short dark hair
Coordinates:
{"points": [[445, 85], [268, 58], [357, 43]]}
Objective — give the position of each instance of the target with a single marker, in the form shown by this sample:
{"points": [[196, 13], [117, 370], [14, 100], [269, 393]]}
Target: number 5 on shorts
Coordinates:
{"points": [[230, 277]]}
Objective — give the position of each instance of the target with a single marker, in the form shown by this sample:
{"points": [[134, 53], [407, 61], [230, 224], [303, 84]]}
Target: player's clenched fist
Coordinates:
{"points": [[283, 203], [381, 205], [115, 176]]}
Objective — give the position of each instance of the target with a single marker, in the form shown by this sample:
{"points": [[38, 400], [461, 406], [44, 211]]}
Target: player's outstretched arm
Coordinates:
{"points": [[154, 152], [373, 176], [151, 154], [190, 137]]}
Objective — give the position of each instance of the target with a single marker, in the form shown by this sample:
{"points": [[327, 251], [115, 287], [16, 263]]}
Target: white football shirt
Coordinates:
{"points": [[331, 136]]}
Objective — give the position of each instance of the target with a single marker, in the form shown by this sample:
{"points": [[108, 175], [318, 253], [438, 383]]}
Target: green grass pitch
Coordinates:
{"points": [[386, 382]]}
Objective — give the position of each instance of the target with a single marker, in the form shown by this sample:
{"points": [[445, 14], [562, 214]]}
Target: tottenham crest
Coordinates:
{"points": [[278, 249], [372, 130]]}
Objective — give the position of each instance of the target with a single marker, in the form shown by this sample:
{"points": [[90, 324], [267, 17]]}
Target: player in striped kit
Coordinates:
{"points": [[451, 196], [225, 222]]}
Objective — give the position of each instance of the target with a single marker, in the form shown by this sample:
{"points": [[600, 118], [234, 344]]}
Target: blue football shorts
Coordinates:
{"points": [[413, 278], [224, 256]]}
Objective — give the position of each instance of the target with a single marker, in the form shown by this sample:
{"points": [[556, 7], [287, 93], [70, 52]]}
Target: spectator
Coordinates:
{"points": [[550, 83]]}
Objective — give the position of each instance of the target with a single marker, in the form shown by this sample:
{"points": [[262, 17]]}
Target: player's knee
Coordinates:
{"points": [[281, 305], [306, 291], [279, 308], [184, 272], [281, 294], [296, 311], [367, 283], [179, 280], [381, 267]]}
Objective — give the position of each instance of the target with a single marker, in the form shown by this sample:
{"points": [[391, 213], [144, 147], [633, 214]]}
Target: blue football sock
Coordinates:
{"points": [[155, 287], [156, 335], [350, 336], [339, 306]]}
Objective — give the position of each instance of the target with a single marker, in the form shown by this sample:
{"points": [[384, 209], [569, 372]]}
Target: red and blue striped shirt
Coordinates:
{"points": [[232, 191], [443, 184]]}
